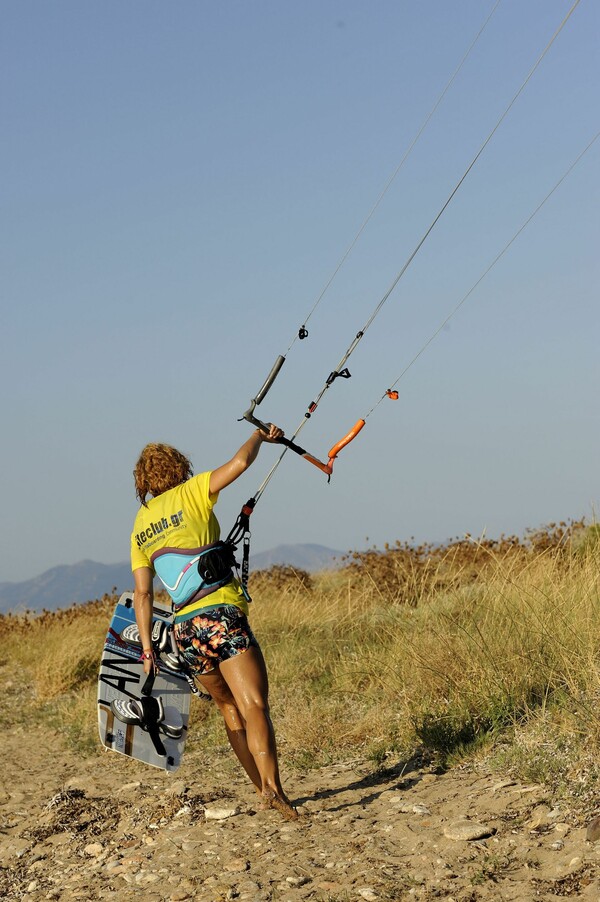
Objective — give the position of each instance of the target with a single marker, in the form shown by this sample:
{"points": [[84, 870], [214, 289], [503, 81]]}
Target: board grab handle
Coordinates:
{"points": [[249, 414]]}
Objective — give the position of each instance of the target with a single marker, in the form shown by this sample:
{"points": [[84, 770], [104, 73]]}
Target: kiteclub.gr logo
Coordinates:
{"points": [[157, 527]]}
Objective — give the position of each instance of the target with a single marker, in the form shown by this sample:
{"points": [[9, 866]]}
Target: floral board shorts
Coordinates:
{"points": [[213, 636]]}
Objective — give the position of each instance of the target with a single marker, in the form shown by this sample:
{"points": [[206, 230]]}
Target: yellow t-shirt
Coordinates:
{"points": [[183, 517]]}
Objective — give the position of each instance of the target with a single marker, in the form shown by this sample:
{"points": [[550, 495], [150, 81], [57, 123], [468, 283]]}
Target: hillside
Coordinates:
{"points": [[65, 585]]}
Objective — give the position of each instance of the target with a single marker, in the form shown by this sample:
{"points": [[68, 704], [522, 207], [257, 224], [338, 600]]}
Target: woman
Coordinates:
{"points": [[176, 535]]}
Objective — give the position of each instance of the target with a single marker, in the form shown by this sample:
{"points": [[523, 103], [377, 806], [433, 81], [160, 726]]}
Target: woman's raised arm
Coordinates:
{"points": [[241, 460]]}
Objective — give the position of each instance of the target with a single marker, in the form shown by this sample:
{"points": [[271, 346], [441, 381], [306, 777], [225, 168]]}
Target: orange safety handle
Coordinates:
{"points": [[325, 468], [333, 453]]}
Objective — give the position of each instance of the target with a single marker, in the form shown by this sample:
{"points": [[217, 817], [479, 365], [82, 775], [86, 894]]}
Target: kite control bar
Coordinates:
{"points": [[333, 452]]}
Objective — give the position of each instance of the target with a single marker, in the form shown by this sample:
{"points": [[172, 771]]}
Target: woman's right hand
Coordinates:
{"points": [[273, 435]]}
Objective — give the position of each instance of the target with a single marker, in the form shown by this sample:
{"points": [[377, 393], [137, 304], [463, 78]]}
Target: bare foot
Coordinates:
{"points": [[280, 803]]}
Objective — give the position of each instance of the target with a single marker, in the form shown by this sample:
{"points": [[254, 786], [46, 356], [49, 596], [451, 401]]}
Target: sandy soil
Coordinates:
{"points": [[107, 828]]}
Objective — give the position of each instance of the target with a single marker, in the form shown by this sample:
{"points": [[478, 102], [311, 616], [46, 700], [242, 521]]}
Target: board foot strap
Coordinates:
{"points": [[149, 714]]}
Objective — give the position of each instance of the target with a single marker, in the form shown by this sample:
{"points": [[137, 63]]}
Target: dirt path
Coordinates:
{"points": [[106, 828]]}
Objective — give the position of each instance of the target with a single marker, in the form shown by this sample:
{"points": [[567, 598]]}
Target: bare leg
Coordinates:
{"points": [[235, 726], [246, 677]]}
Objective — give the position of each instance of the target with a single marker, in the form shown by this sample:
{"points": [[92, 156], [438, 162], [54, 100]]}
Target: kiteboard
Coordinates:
{"points": [[145, 719]]}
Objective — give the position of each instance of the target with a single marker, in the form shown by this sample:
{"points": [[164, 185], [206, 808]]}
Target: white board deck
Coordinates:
{"points": [[122, 677]]}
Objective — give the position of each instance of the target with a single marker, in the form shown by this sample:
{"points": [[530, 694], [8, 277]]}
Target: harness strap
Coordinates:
{"points": [[240, 532], [246, 564]]}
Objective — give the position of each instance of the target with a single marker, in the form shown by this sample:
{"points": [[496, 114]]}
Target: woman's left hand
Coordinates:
{"points": [[150, 665]]}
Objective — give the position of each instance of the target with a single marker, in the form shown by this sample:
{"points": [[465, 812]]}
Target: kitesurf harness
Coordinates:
{"points": [[190, 574]]}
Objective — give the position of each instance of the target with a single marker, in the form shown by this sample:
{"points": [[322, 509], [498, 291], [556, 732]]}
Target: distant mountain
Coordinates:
{"points": [[63, 586], [305, 557]]}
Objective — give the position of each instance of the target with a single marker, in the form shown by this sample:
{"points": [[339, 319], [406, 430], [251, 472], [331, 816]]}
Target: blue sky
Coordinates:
{"points": [[179, 182]]}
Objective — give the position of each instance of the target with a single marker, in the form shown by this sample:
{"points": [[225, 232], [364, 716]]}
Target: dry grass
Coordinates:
{"points": [[446, 648], [58, 651]]}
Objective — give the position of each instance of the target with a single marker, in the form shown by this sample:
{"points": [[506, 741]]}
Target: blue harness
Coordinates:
{"points": [[189, 574]]}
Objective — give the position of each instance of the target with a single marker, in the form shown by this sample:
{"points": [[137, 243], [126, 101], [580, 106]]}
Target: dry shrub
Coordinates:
{"points": [[280, 578], [508, 630], [408, 574], [59, 651], [328, 729], [59, 670], [490, 657]]}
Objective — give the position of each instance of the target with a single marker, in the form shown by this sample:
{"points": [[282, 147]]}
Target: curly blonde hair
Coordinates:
{"points": [[158, 469]]}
